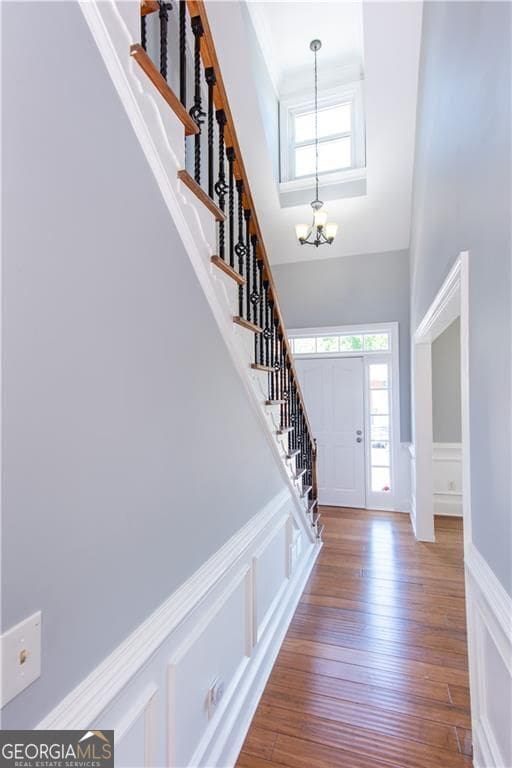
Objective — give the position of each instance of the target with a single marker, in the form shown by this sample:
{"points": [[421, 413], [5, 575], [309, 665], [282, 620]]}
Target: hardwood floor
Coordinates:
{"points": [[373, 670]]}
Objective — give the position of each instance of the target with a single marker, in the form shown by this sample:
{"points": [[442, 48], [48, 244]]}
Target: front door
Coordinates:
{"points": [[334, 395]]}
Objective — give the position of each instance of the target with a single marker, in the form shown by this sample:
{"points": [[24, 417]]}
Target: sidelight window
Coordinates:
{"points": [[380, 412]]}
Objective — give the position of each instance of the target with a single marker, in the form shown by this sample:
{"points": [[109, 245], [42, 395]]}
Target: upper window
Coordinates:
{"points": [[340, 134]]}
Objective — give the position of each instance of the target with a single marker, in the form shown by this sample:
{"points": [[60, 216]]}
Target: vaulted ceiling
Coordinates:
{"points": [[385, 38]]}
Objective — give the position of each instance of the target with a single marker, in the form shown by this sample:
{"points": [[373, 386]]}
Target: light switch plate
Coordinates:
{"points": [[20, 657]]}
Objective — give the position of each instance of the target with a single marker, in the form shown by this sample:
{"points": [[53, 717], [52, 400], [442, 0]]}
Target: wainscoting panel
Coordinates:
{"points": [[490, 638], [447, 479], [181, 689], [270, 569], [135, 735]]}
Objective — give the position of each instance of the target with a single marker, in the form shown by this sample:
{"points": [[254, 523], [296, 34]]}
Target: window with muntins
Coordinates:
{"points": [[345, 343], [340, 134]]}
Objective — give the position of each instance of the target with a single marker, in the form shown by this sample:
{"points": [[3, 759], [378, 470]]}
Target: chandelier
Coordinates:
{"points": [[319, 232]]}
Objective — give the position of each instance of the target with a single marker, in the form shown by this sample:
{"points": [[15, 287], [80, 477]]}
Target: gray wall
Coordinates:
{"points": [[446, 391], [130, 450], [267, 97], [462, 202], [370, 288]]}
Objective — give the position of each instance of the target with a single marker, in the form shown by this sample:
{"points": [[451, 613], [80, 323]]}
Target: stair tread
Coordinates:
{"points": [[306, 490], [148, 6], [247, 324], [259, 367], [300, 474], [228, 270], [275, 402], [292, 454], [285, 430], [143, 60], [201, 195]]}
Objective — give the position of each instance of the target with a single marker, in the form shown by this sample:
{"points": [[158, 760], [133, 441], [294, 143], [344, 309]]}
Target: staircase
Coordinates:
{"points": [[218, 180], [173, 91]]}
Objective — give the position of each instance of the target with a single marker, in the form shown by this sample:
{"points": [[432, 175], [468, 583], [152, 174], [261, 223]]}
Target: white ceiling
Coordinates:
{"points": [[285, 30], [380, 220]]}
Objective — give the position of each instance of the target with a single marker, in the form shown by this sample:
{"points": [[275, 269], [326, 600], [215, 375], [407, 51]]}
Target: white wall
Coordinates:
{"points": [[130, 452]]}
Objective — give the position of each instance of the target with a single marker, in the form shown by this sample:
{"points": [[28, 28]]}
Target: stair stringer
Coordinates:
{"points": [[115, 27]]}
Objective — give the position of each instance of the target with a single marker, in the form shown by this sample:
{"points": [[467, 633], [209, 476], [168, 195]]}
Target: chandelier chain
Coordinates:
{"points": [[316, 124], [320, 232]]}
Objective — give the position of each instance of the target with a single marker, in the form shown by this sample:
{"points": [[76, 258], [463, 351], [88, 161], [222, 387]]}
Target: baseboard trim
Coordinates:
{"points": [[448, 505]]}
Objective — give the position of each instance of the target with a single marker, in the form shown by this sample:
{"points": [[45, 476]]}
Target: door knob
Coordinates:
{"points": [[359, 432], [359, 439]]}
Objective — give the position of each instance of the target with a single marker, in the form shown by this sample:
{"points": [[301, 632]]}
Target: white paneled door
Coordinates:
{"points": [[333, 389]]}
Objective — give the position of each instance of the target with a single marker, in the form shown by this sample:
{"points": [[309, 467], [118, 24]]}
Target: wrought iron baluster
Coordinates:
{"points": [[255, 292], [209, 74], [266, 331], [196, 111], [248, 270], [240, 246], [283, 383], [230, 154], [270, 328], [290, 409], [221, 187], [294, 415], [183, 51], [261, 322], [309, 461], [277, 359], [143, 32], [302, 440], [284, 394], [266, 322], [163, 15]]}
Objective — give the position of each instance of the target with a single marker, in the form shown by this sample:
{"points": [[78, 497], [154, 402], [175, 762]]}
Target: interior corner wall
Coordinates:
{"points": [[462, 202], [351, 290], [130, 450], [446, 385], [266, 94]]}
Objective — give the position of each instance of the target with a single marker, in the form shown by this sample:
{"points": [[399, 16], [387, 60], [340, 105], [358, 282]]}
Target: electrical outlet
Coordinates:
{"points": [[451, 485], [20, 657], [215, 694]]}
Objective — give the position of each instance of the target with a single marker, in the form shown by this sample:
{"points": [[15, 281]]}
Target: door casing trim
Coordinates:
{"points": [[392, 500]]}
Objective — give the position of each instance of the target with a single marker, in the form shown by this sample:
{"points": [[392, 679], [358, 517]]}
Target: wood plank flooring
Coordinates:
{"points": [[373, 670]]}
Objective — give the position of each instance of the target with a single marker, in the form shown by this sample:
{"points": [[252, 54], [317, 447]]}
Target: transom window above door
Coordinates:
{"points": [[345, 343]]}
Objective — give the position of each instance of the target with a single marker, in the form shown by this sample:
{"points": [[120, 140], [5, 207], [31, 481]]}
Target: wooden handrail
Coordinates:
{"points": [[209, 57]]}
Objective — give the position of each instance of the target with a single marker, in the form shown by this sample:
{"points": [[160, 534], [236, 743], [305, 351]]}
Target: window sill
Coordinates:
{"points": [[333, 186]]}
